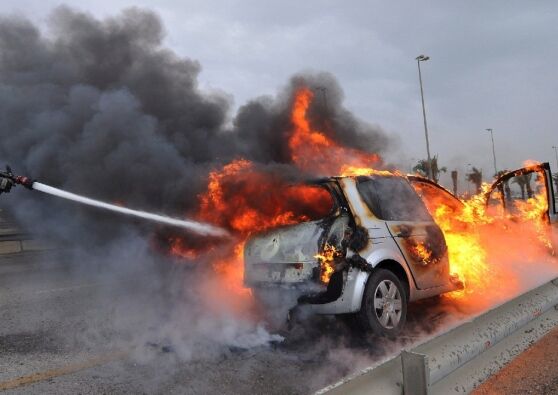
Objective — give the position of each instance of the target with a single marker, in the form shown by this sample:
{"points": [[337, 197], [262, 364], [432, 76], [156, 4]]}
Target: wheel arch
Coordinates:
{"points": [[368, 316], [396, 268]]}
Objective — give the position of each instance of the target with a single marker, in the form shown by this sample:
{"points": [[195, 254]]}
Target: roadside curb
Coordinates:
{"points": [[15, 240], [17, 243]]}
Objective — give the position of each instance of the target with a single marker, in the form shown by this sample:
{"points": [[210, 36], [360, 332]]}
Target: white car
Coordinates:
{"points": [[376, 251]]}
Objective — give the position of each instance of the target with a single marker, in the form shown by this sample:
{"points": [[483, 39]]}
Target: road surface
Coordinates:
{"points": [[66, 328]]}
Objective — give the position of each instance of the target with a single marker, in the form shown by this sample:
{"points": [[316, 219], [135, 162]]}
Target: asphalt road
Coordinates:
{"points": [[67, 330]]}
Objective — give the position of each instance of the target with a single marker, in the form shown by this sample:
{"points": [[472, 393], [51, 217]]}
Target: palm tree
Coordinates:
{"points": [[521, 182], [524, 182], [454, 181], [422, 168], [475, 177]]}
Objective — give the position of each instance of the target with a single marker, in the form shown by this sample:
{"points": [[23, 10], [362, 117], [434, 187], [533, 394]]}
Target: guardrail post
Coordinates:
{"points": [[416, 375]]}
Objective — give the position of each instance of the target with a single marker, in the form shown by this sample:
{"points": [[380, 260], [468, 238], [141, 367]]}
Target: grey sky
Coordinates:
{"points": [[493, 64]]}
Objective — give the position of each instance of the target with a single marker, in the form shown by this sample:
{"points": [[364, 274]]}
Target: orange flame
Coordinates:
{"points": [[314, 152], [244, 199], [481, 240], [423, 254], [534, 210], [347, 170], [466, 255], [180, 249], [327, 261]]}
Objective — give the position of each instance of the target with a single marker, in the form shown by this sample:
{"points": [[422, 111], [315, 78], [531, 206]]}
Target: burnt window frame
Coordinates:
{"points": [[542, 168], [332, 186]]}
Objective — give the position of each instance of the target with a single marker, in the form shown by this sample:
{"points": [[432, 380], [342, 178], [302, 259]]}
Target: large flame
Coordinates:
{"points": [[245, 198], [483, 240], [534, 211], [314, 152], [466, 254]]}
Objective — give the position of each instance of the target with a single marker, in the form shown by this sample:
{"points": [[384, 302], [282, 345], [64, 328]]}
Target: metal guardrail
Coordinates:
{"points": [[462, 358]]}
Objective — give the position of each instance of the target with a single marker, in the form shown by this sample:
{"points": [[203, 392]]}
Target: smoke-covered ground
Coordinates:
{"points": [[133, 332], [54, 318]]}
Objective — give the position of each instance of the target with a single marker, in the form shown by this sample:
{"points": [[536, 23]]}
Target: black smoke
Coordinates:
{"points": [[103, 108]]}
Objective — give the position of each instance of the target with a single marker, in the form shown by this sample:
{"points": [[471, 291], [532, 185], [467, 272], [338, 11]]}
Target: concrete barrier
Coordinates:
{"points": [[462, 358]]}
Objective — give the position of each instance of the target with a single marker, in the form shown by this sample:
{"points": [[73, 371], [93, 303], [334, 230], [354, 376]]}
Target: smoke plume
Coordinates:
{"points": [[103, 109]]}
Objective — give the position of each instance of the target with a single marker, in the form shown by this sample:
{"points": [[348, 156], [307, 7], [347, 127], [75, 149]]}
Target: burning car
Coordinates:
{"points": [[378, 249], [381, 246]]}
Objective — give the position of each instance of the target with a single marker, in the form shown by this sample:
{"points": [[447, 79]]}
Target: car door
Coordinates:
{"points": [[510, 192], [525, 194], [418, 237]]}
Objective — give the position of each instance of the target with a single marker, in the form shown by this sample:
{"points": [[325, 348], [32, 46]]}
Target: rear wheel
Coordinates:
{"points": [[384, 304]]}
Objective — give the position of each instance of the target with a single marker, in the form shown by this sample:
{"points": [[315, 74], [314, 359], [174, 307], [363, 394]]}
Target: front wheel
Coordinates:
{"points": [[384, 304]]}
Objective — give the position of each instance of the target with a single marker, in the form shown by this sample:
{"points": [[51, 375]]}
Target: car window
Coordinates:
{"points": [[392, 199]]}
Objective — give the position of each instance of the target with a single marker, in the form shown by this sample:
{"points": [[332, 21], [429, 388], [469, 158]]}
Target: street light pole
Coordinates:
{"points": [[493, 151], [423, 58], [556, 153]]}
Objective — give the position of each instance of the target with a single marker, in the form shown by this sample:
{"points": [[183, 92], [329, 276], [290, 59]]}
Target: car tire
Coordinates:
{"points": [[384, 304]]}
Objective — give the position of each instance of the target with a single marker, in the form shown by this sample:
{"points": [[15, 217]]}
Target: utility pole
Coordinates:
{"points": [[493, 151], [423, 58], [556, 153]]}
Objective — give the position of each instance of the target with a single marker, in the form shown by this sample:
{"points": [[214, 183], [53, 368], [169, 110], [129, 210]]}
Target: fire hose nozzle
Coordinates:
{"points": [[22, 180], [25, 181]]}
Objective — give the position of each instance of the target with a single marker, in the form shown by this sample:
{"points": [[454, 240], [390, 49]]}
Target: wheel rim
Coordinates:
{"points": [[387, 304]]}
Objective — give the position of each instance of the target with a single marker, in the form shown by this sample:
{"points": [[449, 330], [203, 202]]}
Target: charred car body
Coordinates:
{"points": [[377, 250], [373, 242]]}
